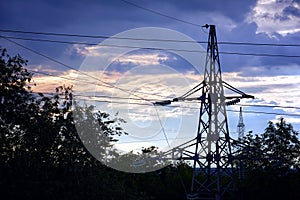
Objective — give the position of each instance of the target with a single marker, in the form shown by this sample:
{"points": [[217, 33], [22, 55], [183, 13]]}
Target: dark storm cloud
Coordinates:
{"points": [[96, 17], [89, 17], [58, 14], [235, 9]]}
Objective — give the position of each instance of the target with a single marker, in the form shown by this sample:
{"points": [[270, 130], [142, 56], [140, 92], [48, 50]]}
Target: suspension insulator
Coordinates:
{"points": [[232, 102]]}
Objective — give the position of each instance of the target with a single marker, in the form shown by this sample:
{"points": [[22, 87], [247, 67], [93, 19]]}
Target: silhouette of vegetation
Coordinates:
{"points": [[271, 163], [44, 155], [42, 152]]}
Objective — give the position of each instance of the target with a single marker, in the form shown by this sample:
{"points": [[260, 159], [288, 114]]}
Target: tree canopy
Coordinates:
{"points": [[270, 163]]}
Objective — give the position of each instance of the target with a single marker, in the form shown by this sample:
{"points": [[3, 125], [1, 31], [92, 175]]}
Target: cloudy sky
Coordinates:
{"points": [[158, 74]]}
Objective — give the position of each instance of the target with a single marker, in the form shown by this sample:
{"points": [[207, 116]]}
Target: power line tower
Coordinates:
{"points": [[241, 131], [210, 151], [241, 125], [213, 135]]}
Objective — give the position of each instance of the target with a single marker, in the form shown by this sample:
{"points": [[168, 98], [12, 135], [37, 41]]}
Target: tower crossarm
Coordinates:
{"points": [[240, 93], [187, 96]]}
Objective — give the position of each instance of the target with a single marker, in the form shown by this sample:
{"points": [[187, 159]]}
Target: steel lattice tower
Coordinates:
{"points": [[210, 151], [213, 134], [241, 125], [241, 131]]}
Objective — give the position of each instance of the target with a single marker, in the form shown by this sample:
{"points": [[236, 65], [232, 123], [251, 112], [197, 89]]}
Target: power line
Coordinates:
{"points": [[161, 14], [268, 113], [55, 34], [152, 48], [154, 140], [260, 44], [48, 40], [270, 106], [260, 54], [116, 97], [61, 77], [92, 98], [259, 105], [106, 45], [99, 96], [194, 108], [98, 36], [142, 39], [162, 127]]}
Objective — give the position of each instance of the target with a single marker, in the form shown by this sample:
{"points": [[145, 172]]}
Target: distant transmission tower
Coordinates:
{"points": [[241, 125], [241, 132], [210, 152]]}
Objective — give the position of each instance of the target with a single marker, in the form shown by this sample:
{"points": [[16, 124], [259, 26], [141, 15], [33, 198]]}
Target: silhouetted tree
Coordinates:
{"points": [[281, 140], [278, 148], [271, 162], [41, 148]]}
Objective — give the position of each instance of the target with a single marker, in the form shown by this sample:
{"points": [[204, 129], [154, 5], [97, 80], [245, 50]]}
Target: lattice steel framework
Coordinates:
{"points": [[213, 134], [241, 125], [210, 152]]}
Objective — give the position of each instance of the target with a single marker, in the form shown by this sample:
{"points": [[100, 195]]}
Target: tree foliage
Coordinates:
{"points": [[281, 140], [45, 155], [270, 162], [277, 149]]}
